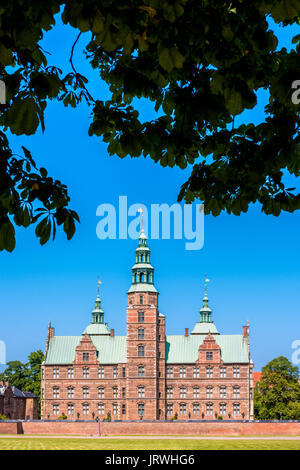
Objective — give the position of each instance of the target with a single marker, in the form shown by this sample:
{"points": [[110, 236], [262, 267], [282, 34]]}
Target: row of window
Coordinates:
{"points": [[86, 372], [141, 392], [209, 408], [209, 392], [210, 371]]}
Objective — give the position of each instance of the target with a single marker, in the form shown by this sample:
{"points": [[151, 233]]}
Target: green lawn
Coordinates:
{"points": [[146, 444]]}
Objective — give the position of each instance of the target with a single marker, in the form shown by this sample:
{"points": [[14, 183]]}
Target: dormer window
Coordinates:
{"points": [[85, 356], [209, 355]]}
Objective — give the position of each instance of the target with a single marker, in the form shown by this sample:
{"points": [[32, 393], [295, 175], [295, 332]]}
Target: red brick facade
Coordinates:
{"points": [[145, 385]]}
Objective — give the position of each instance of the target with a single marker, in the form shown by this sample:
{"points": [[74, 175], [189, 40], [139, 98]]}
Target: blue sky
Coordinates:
{"points": [[252, 260]]}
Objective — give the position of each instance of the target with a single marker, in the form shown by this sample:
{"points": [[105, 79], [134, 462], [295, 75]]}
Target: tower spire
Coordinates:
{"points": [[97, 313], [142, 270], [205, 311]]}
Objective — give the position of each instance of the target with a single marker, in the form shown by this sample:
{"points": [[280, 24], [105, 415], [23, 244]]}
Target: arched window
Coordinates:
{"points": [[141, 391], [141, 371]]}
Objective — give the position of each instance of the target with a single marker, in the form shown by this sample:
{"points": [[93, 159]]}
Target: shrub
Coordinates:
{"points": [[63, 416], [2, 417]]}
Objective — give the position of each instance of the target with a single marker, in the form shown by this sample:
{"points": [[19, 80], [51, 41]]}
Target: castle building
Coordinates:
{"points": [[16, 404], [147, 374]]}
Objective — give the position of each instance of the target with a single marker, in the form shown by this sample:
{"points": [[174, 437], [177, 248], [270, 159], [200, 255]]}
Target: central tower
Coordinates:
{"points": [[145, 341]]}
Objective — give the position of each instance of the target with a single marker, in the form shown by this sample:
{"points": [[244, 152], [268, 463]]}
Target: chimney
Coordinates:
{"points": [[112, 332], [186, 332], [246, 331]]}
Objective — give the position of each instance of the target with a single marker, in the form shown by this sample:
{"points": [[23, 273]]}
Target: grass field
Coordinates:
{"points": [[144, 444]]}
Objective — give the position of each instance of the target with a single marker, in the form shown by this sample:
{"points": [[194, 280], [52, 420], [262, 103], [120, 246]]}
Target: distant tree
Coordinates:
{"points": [[26, 377], [277, 394], [201, 64]]}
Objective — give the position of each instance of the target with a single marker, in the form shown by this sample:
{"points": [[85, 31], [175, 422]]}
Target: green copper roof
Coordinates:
{"points": [[111, 350], [180, 349], [142, 287], [184, 349], [97, 329], [202, 328]]}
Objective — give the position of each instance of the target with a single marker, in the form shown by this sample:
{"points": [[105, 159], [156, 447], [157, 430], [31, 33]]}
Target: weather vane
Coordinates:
{"points": [[205, 284], [140, 210], [98, 285]]}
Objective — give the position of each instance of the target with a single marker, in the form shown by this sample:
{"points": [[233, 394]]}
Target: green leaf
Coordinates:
{"points": [[7, 237], [233, 101], [23, 117]]}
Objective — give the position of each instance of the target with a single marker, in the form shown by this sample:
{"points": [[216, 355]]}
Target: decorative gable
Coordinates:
{"points": [[209, 351], [86, 352]]}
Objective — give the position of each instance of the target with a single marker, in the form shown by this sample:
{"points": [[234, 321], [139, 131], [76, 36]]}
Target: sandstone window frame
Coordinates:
{"points": [[85, 356], [70, 391], [196, 392], [70, 372], [70, 409], [236, 407], [209, 391], [101, 372], [86, 393], [209, 409], [141, 333], [55, 409], [196, 408], [101, 408], [85, 372], [209, 355], [222, 409], [196, 372], [141, 370], [55, 392], [141, 391], [141, 350], [101, 392], [182, 408], [141, 317], [85, 409]]}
